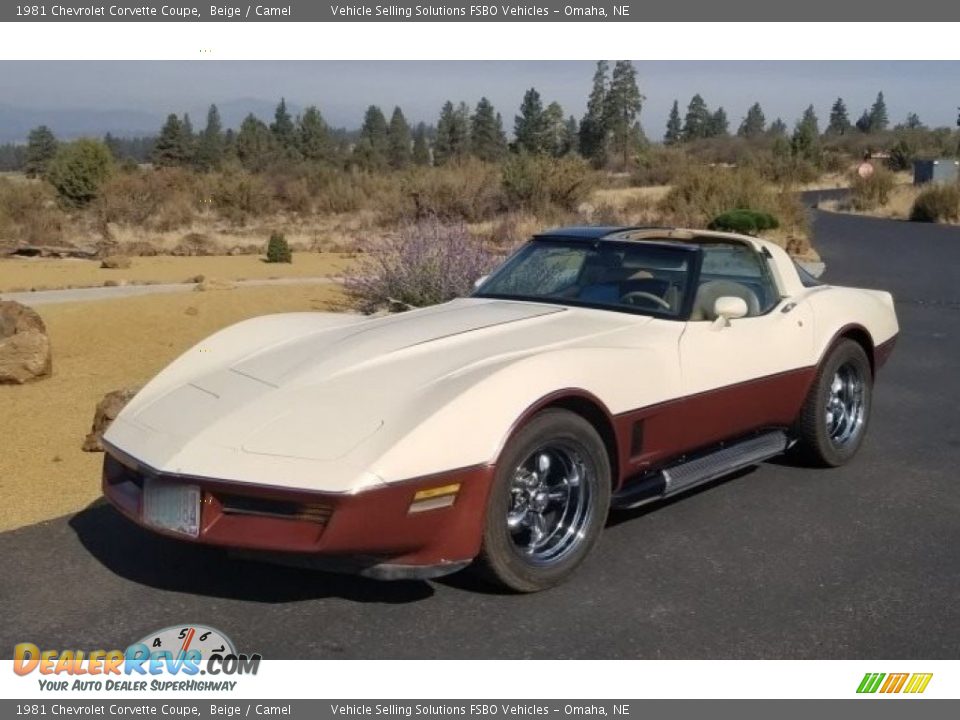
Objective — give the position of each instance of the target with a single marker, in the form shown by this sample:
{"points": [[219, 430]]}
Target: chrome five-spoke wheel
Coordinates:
{"points": [[549, 503], [834, 418], [845, 407]]}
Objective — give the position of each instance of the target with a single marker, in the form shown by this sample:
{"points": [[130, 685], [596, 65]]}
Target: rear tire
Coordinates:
{"points": [[835, 415], [548, 504]]}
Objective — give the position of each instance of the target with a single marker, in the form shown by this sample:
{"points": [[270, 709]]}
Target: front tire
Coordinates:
{"points": [[548, 504], [834, 418]]}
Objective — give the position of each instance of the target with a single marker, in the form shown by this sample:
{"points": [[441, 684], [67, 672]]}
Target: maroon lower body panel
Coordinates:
{"points": [[374, 524], [653, 435]]}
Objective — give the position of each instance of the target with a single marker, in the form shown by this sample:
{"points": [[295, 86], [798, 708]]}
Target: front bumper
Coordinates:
{"points": [[373, 532]]}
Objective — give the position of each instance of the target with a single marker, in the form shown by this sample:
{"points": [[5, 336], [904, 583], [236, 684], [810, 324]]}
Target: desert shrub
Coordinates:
{"points": [[787, 170], [506, 232], [141, 248], [537, 183], [701, 194], [78, 171], [867, 193], [469, 191], [333, 190], [744, 221], [196, 245], [163, 199], [29, 213], [423, 264], [659, 165], [292, 193], [238, 195], [937, 203], [278, 249]]}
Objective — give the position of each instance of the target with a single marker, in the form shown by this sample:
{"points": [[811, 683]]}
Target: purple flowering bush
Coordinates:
{"points": [[425, 263]]}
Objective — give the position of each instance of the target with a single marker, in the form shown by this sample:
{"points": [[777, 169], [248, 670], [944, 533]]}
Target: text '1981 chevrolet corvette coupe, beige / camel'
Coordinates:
{"points": [[596, 367]]}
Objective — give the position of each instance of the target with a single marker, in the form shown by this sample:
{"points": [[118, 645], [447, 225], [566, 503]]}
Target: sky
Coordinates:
{"points": [[343, 89]]}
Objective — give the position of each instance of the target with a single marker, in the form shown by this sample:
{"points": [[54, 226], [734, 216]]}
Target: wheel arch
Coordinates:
{"points": [[860, 335], [587, 406]]}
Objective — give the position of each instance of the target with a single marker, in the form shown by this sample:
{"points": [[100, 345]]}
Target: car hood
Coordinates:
{"points": [[324, 395]]}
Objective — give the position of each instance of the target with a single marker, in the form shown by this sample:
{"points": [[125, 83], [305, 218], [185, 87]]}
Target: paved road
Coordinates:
{"points": [[779, 562], [49, 297]]}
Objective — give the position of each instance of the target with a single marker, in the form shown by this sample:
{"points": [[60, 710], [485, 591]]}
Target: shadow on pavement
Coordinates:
{"points": [[166, 564]]}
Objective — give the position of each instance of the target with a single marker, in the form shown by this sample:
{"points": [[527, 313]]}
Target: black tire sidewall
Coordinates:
{"points": [[846, 351], [498, 555]]}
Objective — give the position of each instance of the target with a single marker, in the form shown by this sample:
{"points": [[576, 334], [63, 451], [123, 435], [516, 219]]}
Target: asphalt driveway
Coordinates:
{"points": [[779, 562]]}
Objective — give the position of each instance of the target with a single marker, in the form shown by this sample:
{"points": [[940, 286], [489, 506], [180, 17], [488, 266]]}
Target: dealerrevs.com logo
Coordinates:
{"points": [[182, 652], [910, 683]]}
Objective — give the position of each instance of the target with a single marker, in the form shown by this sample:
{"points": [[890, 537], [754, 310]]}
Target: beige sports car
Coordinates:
{"points": [[596, 367]]}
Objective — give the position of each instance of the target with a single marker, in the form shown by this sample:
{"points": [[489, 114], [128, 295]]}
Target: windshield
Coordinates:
{"points": [[629, 277]]}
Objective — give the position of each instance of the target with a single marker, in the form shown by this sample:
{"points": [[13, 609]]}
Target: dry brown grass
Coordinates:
{"points": [[897, 207], [49, 273], [98, 347]]}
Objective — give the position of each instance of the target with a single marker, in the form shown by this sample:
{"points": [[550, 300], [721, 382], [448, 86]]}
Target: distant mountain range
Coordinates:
{"points": [[66, 123]]}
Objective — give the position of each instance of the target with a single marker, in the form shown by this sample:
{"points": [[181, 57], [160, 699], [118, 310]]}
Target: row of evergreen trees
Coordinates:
{"points": [[699, 122], [608, 135], [610, 131]]}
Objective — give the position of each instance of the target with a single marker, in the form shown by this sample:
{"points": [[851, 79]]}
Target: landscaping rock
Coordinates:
{"points": [[24, 345], [107, 410]]}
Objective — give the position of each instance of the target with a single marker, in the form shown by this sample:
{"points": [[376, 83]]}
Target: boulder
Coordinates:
{"points": [[107, 410], [24, 345]]}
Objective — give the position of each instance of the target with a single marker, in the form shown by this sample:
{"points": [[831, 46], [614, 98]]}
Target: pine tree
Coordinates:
{"points": [[674, 133], [571, 133], [530, 126], [778, 128], [189, 140], [78, 171], [718, 125], [282, 127], [487, 139], [696, 124], [256, 146], [209, 155], [372, 146], [913, 122], [839, 120], [754, 123], [453, 134], [593, 133], [805, 142], [555, 129], [621, 111], [313, 136], [41, 147], [444, 145], [863, 123], [421, 150], [169, 150], [398, 141], [879, 121]]}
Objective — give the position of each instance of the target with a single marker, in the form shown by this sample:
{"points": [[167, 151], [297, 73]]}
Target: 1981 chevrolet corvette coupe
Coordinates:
{"points": [[595, 367]]}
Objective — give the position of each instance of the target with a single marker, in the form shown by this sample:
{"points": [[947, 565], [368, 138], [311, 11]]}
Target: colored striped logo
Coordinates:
{"points": [[894, 683]]}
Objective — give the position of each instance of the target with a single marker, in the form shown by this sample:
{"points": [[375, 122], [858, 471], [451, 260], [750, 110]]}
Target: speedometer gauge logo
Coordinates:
{"points": [[181, 639]]}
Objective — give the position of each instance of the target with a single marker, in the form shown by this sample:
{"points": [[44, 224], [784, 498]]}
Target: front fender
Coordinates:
{"points": [[482, 405]]}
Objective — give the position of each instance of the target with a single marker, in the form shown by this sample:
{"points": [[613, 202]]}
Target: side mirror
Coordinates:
{"points": [[729, 308], [480, 281]]}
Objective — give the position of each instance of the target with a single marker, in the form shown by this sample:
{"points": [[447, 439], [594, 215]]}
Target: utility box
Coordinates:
{"points": [[939, 170]]}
